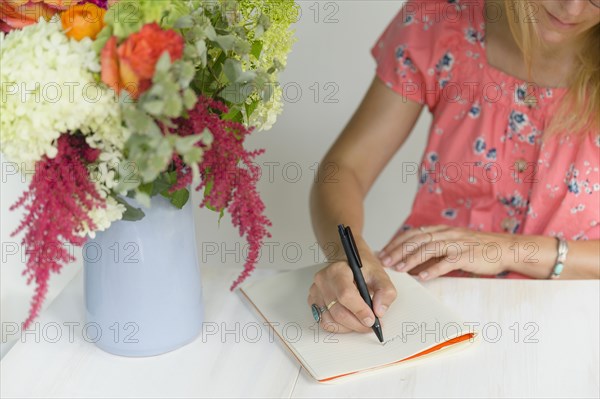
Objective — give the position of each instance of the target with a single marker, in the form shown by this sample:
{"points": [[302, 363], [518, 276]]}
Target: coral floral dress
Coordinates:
{"points": [[485, 166]]}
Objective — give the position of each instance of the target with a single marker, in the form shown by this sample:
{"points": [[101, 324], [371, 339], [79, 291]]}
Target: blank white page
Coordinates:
{"points": [[415, 322]]}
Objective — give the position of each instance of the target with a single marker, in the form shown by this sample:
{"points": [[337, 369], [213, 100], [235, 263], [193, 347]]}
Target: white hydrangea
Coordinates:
{"points": [[103, 173], [265, 114], [48, 87], [103, 217]]}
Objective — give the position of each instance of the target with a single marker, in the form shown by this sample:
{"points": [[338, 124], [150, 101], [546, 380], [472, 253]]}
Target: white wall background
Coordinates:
{"points": [[332, 53]]}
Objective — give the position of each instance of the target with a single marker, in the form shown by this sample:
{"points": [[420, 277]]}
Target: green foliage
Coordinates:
{"points": [[234, 51], [226, 41], [128, 16], [131, 213]]}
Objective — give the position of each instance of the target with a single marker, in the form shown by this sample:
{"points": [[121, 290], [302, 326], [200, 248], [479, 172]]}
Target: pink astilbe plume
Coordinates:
{"points": [[229, 176], [57, 202], [183, 173]]}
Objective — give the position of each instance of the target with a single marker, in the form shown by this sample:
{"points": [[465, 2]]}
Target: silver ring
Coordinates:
{"points": [[317, 311]]}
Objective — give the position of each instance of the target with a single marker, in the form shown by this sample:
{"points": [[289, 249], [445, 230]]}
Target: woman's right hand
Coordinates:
{"points": [[350, 312], [371, 138]]}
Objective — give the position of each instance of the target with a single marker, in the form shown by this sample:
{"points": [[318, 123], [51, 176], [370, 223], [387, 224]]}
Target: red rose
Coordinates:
{"points": [[131, 64]]}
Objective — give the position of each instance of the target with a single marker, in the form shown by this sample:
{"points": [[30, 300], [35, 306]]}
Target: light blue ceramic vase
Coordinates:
{"points": [[143, 292]]}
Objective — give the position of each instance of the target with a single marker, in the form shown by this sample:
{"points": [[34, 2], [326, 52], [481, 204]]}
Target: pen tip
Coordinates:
{"points": [[378, 332]]}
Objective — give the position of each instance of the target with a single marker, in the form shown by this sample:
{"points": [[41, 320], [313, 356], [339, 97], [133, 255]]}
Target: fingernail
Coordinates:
{"points": [[400, 266], [381, 310], [423, 275], [387, 261], [368, 321], [381, 254]]}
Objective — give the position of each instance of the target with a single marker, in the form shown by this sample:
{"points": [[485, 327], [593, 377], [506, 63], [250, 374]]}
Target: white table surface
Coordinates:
{"points": [[564, 319]]}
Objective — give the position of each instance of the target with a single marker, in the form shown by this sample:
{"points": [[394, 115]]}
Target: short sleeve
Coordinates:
{"points": [[408, 53]]}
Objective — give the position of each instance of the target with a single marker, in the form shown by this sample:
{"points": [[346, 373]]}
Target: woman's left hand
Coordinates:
{"points": [[437, 250]]}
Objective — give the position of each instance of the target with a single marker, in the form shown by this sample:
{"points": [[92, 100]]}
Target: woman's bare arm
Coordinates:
{"points": [[373, 135], [375, 132]]}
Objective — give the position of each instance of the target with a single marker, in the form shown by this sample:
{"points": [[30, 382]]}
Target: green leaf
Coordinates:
{"points": [[246, 77], [173, 107], [184, 22], [218, 64], [185, 143], [142, 198], [241, 47], [202, 51], [146, 188], [180, 197], [257, 47], [234, 114], [131, 213], [251, 107], [161, 184], [260, 30], [207, 189], [186, 73], [164, 62], [193, 155], [154, 107], [226, 42], [267, 93], [232, 69], [189, 99], [102, 38], [209, 31], [171, 177], [235, 93]]}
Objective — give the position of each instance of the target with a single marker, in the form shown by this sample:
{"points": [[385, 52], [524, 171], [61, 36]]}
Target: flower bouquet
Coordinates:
{"points": [[110, 100]]}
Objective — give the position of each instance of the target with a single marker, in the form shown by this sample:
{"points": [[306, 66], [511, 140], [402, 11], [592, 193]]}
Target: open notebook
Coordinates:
{"points": [[416, 324]]}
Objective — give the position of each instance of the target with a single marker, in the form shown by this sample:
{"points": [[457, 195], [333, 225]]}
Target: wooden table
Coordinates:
{"points": [[539, 339]]}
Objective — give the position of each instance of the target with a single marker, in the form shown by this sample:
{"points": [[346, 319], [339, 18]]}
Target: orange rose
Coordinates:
{"points": [[16, 14], [83, 20], [131, 64]]}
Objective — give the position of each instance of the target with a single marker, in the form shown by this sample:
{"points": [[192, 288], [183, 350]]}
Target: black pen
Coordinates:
{"points": [[356, 264]]}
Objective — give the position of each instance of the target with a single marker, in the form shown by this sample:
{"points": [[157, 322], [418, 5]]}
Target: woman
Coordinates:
{"points": [[509, 183]]}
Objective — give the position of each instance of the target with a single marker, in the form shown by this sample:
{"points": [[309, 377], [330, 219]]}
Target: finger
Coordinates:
{"points": [[342, 316], [432, 234], [337, 282], [402, 236], [353, 311], [384, 292], [397, 240], [434, 249], [313, 295], [327, 323], [347, 321], [410, 243], [437, 269]]}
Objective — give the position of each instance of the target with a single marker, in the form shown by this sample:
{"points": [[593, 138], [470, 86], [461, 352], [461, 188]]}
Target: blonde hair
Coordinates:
{"points": [[578, 113]]}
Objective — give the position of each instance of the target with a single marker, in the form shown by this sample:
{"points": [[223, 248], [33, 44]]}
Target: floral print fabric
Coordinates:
{"points": [[485, 165]]}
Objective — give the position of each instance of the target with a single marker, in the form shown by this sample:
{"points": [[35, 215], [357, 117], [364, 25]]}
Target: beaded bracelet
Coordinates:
{"points": [[563, 248]]}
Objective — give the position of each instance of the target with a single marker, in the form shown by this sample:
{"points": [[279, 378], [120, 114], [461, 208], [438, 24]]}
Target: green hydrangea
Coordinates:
{"points": [[275, 39], [128, 16], [273, 32]]}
